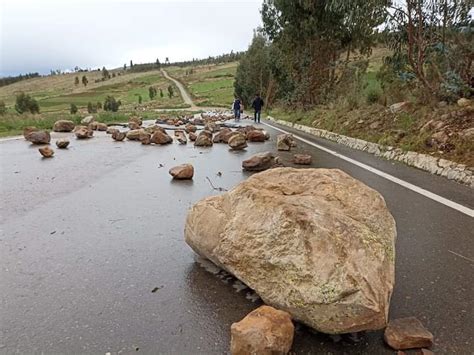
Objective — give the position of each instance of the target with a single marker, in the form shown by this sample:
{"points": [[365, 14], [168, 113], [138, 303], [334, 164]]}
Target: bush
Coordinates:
{"points": [[111, 104], [3, 108], [73, 109], [25, 103], [91, 108], [99, 105], [373, 96], [140, 99]]}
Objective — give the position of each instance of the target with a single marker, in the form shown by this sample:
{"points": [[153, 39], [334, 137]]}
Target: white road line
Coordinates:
{"points": [[456, 206], [461, 256], [10, 138]]}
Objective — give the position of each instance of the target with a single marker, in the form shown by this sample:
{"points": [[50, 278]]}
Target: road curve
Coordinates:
{"points": [[184, 94]]}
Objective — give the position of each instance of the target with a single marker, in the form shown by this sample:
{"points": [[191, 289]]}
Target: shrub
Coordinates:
{"points": [[170, 91], [25, 103], [110, 104], [99, 105], [91, 108], [73, 109], [373, 96], [140, 99]]}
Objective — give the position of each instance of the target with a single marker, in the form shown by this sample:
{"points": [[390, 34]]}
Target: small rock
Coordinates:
{"points": [[182, 172], [190, 128], [118, 136], [46, 152], [161, 138], [260, 162], [136, 120], [192, 136], [93, 126], [302, 159], [145, 138], [238, 142], [87, 120], [463, 102], [83, 132], [425, 352], [265, 331], [407, 333], [112, 130], [181, 137], [39, 137], [62, 143], [133, 125], [63, 126], [284, 142], [256, 136], [101, 127]]}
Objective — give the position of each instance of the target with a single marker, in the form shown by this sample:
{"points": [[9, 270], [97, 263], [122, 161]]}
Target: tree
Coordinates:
{"points": [[131, 64], [105, 73], [125, 67], [99, 105], [76, 80], [161, 93], [25, 103], [167, 61], [110, 104], [151, 92], [73, 109], [3, 108], [84, 80], [140, 99], [170, 91], [157, 63]]}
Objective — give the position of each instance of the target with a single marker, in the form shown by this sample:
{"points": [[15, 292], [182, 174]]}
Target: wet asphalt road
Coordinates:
{"points": [[88, 235]]}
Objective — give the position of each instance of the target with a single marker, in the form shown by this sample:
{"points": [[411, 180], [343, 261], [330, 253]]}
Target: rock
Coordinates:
{"points": [[161, 138], [301, 240], [192, 136], [62, 143], [133, 125], [111, 130], [153, 129], [63, 126], [425, 352], [28, 130], [119, 136], [93, 126], [190, 128], [404, 106], [267, 135], [211, 127], [181, 137], [87, 120], [256, 136], [182, 172], [260, 162], [440, 137], [134, 135], [467, 134], [238, 142], [284, 142], [136, 120], [39, 137], [221, 136], [204, 139], [407, 333], [463, 102], [302, 159], [264, 331], [145, 138], [102, 127], [83, 132], [46, 152]]}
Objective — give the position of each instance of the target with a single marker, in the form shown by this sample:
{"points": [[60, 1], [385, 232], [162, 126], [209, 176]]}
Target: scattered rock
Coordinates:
{"points": [[265, 331], [256, 136], [46, 152], [134, 135], [204, 139], [133, 125], [119, 136], [190, 128], [28, 130], [302, 159], [222, 135], [211, 127], [112, 130], [63, 126], [136, 120], [284, 142], [319, 255], [260, 162], [181, 137], [463, 102], [160, 137], [267, 135], [238, 142], [93, 126], [87, 120], [102, 127], [192, 136], [145, 138], [39, 137], [407, 333], [83, 132], [404, 106], [182, 172], [227, 137], [154, 128], [62, 143]]}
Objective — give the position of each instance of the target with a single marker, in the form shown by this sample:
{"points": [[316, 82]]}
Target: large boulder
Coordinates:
{"points": [[83, 132], [102, 127], [63, 126], [87, 120], [145, 138], [46, 152], [221, 136], [119, 136], [238, 142], [161, 137], [316, 243], [285, 142], [182, 172], [134, 134], [39, 137], [204, 139], [260, 162], [264, 331], [256, 136], [29, 129]]}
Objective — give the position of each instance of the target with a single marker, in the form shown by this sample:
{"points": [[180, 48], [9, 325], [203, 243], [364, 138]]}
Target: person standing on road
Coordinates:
{"points": [[257, 105], [236, 108]]}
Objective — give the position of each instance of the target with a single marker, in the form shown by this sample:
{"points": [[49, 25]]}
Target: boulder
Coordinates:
{"points": [[145, 138], [302, 159], [238, 142], [306, 246], [440, 137], [136, 120], [221, 136], [39, 137], [87, 120], [28, 130], [160, 137], [119, 136], [181, 137], [284, 142], [134, 135], [112, 130], [228, 136], [190, 128], [83, 132], [264, 331], [256, 136], [154, 128], [62, 143], [133, 125], [192, 136], [211, 127], [267, 135], [407, 333], [398, 107], [182, 172], [46, 152], [102, 127], [204, 139], [93, 126], [463, 102], [260, 162], [63, 126]]}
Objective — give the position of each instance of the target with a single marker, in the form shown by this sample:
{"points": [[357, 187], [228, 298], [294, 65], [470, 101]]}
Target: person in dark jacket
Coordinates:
{"points": [[257, 105], [236, 106]]}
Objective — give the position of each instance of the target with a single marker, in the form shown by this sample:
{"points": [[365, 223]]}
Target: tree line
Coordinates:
{"points": [[13, 79], [311, 52]]}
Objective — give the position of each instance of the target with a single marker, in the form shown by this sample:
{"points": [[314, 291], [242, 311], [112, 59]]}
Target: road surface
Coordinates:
{"points": [[87, 236]]}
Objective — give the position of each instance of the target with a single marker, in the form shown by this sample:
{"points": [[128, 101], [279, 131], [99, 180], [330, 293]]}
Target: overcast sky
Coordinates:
{"points": [[39, 35]]}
